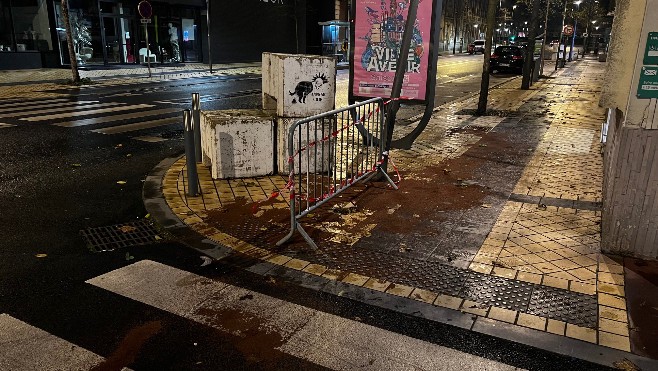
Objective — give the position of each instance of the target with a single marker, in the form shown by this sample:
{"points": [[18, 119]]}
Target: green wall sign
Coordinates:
{"points": [[648, 85], [651, 51]]}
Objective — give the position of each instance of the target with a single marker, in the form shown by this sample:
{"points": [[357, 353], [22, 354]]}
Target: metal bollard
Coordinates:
{"points": [[192, 178], [196, 117]]}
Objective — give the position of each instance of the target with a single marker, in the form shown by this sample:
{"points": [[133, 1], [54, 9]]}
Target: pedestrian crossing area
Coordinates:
{"points": [[316, 337], [107, 117]]}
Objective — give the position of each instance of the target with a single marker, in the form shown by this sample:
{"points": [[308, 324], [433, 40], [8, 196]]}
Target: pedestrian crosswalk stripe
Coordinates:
{"points": [[2, 126], [87, 113], [126, 116], [27, 111], [139, 126], [324, 339], [6, 107], [25, 347]]}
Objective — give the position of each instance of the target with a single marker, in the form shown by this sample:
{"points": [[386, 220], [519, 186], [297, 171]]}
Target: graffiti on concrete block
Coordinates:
{"points": [[306, 88]]}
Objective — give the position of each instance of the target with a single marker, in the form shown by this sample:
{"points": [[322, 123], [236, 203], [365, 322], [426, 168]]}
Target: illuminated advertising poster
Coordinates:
{"points": [[379, 26]]}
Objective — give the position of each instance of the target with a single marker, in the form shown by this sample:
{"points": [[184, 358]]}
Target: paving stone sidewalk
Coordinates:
{"points": [[519, 244]]}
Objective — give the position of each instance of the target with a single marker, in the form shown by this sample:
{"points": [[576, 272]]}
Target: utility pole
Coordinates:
{"points": [[484, 87]]}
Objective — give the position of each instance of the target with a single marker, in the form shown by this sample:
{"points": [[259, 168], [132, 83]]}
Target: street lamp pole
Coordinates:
{"points": [[575, 26], [543, 43], [559, 45], [454, 26]]}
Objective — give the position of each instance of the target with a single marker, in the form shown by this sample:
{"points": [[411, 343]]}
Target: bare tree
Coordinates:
{"points": [[69, 42], [484, 87]]}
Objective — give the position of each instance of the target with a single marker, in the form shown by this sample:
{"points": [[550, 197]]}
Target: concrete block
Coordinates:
{"points": [[237, 143], [296, 85], [321, 154]]}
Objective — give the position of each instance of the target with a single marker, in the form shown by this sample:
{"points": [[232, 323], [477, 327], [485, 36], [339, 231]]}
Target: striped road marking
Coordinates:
{"points": [[139, 126], [27, 111], [25, 347], [8, 107], [2, 126], [90, 112], [324, 339], [126, 116]]}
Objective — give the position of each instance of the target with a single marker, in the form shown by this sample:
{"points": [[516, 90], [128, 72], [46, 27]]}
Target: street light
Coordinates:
{"points": [[575, 27]]}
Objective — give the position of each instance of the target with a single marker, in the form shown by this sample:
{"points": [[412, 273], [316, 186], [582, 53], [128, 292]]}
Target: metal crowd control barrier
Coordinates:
{"points": [[328, 153]]}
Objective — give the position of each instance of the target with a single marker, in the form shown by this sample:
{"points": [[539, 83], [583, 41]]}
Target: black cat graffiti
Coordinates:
{"points": [[304, 88]]}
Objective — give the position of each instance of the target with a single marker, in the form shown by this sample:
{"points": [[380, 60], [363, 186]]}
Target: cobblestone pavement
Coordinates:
{"points": [[525, 252]]}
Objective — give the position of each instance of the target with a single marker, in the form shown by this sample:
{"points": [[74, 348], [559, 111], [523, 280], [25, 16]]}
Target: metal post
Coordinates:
{"points": [[573, 40], [454, 26], [543, 43], [196, 118], [564, 19], [148, 50], [208, 22], [192, 178]]}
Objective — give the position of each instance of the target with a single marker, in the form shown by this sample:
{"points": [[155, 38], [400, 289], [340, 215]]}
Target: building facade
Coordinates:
{"points": [[106, 32]]}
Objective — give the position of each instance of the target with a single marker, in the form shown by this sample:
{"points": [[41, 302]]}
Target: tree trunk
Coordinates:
{"points": [[69, 42], [528, 61], [484, 87], [400, 70]]}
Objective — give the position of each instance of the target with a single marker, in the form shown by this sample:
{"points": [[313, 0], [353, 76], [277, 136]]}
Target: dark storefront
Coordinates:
{"points": [[109, 32], [243, 30], [105, 32]]}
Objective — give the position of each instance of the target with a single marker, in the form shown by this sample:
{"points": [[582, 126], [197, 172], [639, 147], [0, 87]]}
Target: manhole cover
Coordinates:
{"points": [[114, 237]]}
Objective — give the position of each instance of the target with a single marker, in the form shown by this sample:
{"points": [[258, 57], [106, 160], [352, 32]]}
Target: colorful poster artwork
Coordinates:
{"points": [[379, 26]]}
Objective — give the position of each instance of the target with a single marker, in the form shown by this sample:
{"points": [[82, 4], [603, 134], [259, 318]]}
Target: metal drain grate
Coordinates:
{"points": [[114, 237]]}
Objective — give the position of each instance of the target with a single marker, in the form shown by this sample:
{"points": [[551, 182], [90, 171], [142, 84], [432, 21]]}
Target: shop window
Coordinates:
{"points": [[85, 30], [31, 28], [6, 42]]}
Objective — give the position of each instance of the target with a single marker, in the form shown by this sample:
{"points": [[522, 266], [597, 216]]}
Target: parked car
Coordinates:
{"points": [[476, 47], [507, 58]]}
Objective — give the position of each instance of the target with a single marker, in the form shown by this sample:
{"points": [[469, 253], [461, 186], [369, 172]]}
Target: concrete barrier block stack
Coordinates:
{"points": [[237, 143], [295, 87]]}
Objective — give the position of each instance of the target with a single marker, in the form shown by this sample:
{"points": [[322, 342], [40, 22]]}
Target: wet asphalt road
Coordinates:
{"points": [[57, 181]]}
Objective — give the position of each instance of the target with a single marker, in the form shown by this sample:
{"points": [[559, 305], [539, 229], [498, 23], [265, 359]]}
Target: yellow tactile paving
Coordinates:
{"points": [[544, 245], [556, 246]]}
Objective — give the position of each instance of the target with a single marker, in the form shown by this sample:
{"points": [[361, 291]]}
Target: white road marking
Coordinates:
{"points": [[139, 125], [3, 126], [6, 107], [87, 113], [25, 347], [72, 106], [318, 337], [126, 116]]}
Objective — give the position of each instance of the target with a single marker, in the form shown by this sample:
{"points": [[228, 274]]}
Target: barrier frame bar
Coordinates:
{"points": [[360, 120]]}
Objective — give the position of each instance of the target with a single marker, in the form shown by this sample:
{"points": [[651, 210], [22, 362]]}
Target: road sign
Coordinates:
{"points": [[145, 20], [647, 87], [144, 8], [568, 30], [651, 50]]}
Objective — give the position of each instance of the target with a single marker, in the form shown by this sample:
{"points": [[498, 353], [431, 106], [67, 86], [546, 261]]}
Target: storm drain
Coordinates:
{"points": [[117, 236]]}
